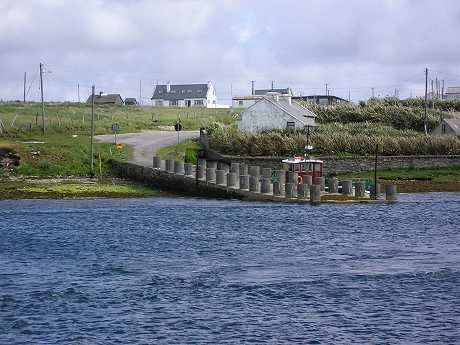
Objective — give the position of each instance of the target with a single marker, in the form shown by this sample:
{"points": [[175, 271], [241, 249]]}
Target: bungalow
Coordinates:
{"points": [[275, 111], [247, 101], [185, 95], [448, 127], [106, 99], [321, 99]]}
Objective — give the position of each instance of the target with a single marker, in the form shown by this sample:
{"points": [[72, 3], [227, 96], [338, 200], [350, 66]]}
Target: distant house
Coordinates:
{"points": [[130, 101], [275, 111], [452, 94], [247, 101], [448, 127], [185, 95], [106, 99], [321, 99]]}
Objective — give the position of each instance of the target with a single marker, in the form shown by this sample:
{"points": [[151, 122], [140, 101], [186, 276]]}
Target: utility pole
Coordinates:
{"points": [[272, 84], [41, 92], [326, 90], [349, 95], [442, 93], [92, 131], [252, 87], [426, 101], [372, 89], [25, 82], [78, 92], [140, 92]]}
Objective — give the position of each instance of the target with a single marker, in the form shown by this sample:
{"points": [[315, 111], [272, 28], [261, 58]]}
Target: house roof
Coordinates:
{"points": [[253, 97], [101, 99], [262, 92], [454, 124], [319, 96], [130, 99], [183, 91], [453, 90]]}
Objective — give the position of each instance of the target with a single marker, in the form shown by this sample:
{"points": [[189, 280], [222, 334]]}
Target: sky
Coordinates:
{"points": [[118, 46]]}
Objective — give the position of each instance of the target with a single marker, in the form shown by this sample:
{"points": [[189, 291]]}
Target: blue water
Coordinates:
{"points": [[192, 271]]}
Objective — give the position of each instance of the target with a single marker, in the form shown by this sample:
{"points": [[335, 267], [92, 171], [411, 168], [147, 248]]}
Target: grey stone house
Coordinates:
{"points": [[106, 99], [448, 127], [275, 111]]}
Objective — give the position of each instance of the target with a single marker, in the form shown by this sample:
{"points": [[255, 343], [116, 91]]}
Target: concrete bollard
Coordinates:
{"points": [[291, 190], [221, 177], [307, 179], [321, 181], [179, 167], [360, 189], [169, 164], [292, 177], [200, 171], [244, 182], [202, 162], [333, 185], [276, 188], [254, 170], [302, 191], [244, 169], [211, 164], [223, 166], [347, 187], [254, 184], [235, 168], [266, 186], [210, 175], [188, 169], [378, 190], [390, 192], [266, 172], [315, 193], [156, 162], [231, 180]]}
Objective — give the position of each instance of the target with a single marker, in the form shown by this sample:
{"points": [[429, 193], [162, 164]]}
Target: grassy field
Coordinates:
{"points": [[186, 150], [75, 118]]}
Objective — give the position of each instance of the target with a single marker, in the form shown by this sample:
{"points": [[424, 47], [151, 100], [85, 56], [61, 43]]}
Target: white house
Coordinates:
{"points": [[185, 95], [275, 111], [247, 101], [452, 94]]}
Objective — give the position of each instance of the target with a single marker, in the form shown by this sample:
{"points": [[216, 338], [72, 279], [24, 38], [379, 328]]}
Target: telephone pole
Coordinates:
{"points": [[252, 87], [92, 131], [372, 89], [78, 92], [140, 92], [442, 92], [272, 84], [326, 90], [25, 82], [426, 101], [349, 95], [41, 92]]}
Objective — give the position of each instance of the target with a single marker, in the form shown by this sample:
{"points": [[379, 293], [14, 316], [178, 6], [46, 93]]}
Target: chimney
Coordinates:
{"points": [[168, 87], [101, 93]]}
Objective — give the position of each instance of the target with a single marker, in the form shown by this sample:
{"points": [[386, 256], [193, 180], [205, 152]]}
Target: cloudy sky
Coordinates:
{"points": [[352, 45]]}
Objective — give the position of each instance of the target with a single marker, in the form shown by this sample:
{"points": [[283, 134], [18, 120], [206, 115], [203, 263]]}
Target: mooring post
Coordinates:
{"points": [[223, 166], [276, 188], [254, 184], [301, 191], [156, 162], [293, 177], [359, 189], [232, 180], [169, 165], [266, 187], [347, 187], [221, 177], [291, 190], [315, 194], [211, 164], [390, 192], [307, 179], [244, 182], [333, 185], [179, 167], [321, 181], [211, 175], [235, 168], [188, 168]]}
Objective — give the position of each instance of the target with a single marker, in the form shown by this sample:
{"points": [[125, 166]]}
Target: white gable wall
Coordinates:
{"points": [[211, 99], [265, 115]]}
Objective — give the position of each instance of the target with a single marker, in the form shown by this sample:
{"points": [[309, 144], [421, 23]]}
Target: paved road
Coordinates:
{"points": [[147, 143]]}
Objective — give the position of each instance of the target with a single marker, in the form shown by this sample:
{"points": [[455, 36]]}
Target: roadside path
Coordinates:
{"points": [[147, 143]]}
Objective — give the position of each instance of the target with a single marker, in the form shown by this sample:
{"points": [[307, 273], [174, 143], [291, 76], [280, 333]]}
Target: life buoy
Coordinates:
{"points": [[299, 179]]}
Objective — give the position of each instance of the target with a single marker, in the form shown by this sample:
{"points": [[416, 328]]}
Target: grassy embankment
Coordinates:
{"points": [[64, 149]]}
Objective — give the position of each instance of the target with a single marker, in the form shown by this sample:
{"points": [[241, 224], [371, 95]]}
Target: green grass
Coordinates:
{"points": [[185, 150], [74, 118]]}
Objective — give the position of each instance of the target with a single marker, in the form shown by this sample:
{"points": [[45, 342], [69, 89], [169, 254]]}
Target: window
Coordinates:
{"points": [[290, 125], [240, 103], [173, 103], [198, 102]]}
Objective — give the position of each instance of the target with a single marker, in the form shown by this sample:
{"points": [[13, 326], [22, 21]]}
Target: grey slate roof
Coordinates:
{"points": [[295, 110], [262, 92], [130, 100], [106, 99], [178, 92], [454, 90]]}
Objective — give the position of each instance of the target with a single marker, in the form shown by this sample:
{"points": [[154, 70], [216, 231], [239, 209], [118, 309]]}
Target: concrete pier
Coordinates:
{"points": [[291, 190], [266, 172], [244, 169], [333, 185], [211, 164], [254, 170], [235, 168], [254, 184], [277, 191], [302, 191], [210, 175], [179, 167], [390, 192], [292, 177], [266, 186], [321, 181], [347, 187], [315, 194], [244, 182], [156, 162], [223, 166], [232, 180], [188, 169], [169, 164], [221, 177], [360, 189], [200, 171]]}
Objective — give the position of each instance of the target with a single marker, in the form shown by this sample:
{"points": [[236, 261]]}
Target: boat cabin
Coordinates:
{"points": [[304, 166]]}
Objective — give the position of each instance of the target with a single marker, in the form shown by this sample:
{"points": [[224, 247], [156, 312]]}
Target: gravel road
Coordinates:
{"points": [[147, 143]]}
